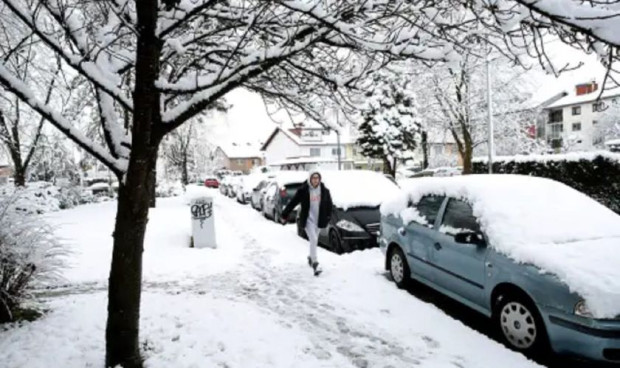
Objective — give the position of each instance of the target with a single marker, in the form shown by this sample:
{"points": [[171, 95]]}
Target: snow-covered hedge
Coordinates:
{"points": [[30, 256], [596, 174], [166, 189], [42, 197]]}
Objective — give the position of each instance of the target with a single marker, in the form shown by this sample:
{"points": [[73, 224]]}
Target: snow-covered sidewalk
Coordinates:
{"points": [[251, 303]]}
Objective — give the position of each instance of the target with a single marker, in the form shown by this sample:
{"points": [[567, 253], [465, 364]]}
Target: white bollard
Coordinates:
{"points": [[203, 224]]}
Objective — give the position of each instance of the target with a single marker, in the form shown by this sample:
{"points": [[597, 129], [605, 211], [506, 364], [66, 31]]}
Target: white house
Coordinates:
{"points": [[289, 144], [571, 120]]}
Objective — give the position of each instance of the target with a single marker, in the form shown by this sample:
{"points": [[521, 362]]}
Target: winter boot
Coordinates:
{"points": [[309, 261], [316, 268]]}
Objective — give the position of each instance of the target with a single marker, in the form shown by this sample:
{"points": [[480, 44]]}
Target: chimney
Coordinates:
{"points": [[585, 88]]}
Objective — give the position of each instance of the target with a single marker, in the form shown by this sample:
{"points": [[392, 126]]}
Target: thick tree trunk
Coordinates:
{"points": [[467, 156], [19, 176], [124, 289]]}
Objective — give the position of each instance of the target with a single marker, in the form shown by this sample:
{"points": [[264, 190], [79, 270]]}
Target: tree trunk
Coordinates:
{"points": [[19, 175], [387, 166], [424, 150], [467, 156], [124, 289], [184, 174], [153, 183], [122, 333], [393, 171]]}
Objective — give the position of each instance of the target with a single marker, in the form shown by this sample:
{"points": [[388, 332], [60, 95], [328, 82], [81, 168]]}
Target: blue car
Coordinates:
{"points": [[540, 259]]}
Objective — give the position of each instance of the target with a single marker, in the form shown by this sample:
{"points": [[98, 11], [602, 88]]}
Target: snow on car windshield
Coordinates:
{"points": [[541, 222], [358, 188]]}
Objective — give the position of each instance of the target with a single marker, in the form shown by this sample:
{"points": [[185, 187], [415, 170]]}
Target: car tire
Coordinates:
{"points": [[335, 245], [519, 324], [399, 268]]}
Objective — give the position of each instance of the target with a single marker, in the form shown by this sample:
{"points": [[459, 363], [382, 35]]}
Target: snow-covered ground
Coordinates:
{"points": [[253, 302]]}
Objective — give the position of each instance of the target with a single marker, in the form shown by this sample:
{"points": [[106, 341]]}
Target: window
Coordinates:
{"points": [[315, 152], [576, 110], [556, 130], [459, 218], [598, 106], [335, 151], [239, 161], [594, 122], [438, 149], [556, 116], [576, 127], [428, 208]]}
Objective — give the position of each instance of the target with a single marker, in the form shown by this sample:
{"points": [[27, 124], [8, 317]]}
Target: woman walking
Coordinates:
{"points": [[316, 209]]}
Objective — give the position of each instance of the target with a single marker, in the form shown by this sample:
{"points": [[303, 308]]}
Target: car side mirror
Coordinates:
{"points": [[470, 237]]}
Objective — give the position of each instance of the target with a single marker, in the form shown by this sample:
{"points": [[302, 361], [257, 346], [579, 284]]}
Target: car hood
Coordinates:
{"points": [[591, 268], [361, 215]]}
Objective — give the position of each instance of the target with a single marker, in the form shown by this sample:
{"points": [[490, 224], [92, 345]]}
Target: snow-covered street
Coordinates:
{"points": [[253, 302]]}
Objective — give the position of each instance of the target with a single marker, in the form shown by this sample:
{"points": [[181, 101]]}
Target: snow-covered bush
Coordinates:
{"points": [[596, 174], [166, 189], [42, 197], [30, 256]]}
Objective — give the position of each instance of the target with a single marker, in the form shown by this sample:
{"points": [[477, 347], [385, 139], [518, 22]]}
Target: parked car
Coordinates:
{"points": [[246, 187], [258, 194], [224, 185], [439, 171], [212, 182], [280, 191], [233, 186], [355, 220], [537, 257]]}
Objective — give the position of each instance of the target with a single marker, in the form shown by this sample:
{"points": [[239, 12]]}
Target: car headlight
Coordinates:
{"points": [[349, 226], [582, 310]]}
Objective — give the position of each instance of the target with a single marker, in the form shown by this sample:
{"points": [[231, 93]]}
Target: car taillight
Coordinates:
{"points": [[282, 192]]}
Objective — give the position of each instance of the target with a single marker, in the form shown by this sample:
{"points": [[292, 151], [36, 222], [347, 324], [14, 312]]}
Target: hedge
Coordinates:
{"points": [[596, 174]]}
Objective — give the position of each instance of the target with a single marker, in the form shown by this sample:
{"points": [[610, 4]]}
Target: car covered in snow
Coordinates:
{"points": [[279, 191], [536, 256], [246, 187], [354, 223], [258, 193]]}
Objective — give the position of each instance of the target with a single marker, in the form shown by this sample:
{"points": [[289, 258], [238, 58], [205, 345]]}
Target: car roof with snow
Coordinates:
{"points": [[540, 222], [283, 178], [358, 188]]}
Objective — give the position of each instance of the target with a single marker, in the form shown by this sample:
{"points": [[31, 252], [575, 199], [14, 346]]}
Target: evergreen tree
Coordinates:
{"points": [[390, 130]]}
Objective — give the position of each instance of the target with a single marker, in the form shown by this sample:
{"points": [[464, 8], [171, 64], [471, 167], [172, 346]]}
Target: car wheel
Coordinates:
{"points": [[399, 269], [520, 324], [334, 243]]}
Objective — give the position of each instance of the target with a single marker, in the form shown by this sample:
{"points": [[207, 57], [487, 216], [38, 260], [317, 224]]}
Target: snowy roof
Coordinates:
{"points": [[573, 99], [540, 222], [311, 137], [613, 142], [241, 150], [308, 160], [358, 188]]}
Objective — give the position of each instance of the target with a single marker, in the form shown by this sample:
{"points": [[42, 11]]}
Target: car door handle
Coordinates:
{"points": [[438, 246]]}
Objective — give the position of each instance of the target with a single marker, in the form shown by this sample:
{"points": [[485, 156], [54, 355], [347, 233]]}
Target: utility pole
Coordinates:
{"points": [[490, 110], [338, 141]]}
